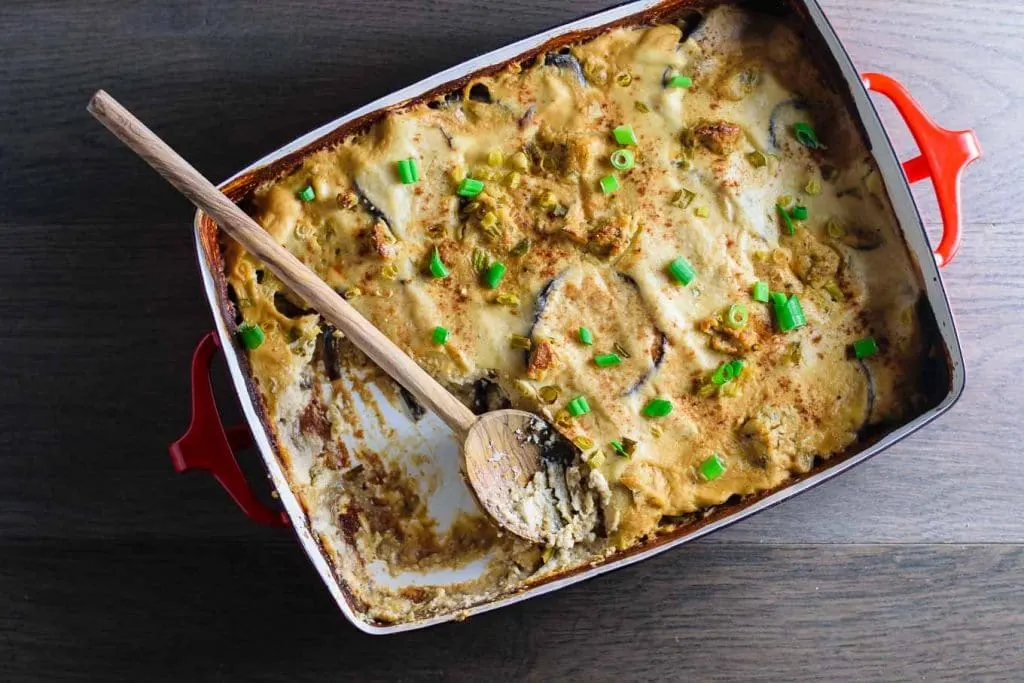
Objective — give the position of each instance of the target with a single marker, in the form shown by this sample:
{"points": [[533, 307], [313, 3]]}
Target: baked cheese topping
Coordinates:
{"points": [[629, 284]]}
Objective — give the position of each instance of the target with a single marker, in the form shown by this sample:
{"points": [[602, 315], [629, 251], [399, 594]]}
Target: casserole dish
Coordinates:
{"points": [[943, 152]]}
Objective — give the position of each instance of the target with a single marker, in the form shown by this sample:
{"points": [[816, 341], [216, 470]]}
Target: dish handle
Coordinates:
{"points": [[207, 445], [944, 156]]}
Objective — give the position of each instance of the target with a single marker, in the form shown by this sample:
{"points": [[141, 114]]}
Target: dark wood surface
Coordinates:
{"points": [[112, 568]]}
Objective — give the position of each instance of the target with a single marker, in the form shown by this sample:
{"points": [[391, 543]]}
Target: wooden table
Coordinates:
{"points": [[112, 568]]}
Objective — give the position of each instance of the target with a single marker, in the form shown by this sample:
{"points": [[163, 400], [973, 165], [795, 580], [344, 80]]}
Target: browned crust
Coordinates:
{"points": [[240, 188]]}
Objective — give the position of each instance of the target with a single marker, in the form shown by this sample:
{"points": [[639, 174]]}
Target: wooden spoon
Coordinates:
{"points": [[498, 456]]}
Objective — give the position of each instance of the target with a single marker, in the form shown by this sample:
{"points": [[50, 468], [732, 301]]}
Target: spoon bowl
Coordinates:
{"points": [[501, 454]]}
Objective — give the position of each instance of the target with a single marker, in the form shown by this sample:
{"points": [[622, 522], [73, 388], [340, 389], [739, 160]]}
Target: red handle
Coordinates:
{"points": [[206, 445], [944, 156]]}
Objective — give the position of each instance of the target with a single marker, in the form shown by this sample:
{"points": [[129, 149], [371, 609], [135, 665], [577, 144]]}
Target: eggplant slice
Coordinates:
{"points": [[567, 61], [610, 305]]}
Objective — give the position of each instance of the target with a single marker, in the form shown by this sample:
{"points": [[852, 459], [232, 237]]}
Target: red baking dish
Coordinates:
{"points": [[208, 445]]}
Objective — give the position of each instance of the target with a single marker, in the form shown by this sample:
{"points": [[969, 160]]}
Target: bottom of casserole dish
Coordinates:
{"points": [[379, 481]]}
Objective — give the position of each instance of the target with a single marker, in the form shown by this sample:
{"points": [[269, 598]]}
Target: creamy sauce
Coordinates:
{"points": [[712, 162]]}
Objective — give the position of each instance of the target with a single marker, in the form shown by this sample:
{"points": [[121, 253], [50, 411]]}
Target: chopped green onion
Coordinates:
{"points": [[712, 468], [865, 348], [494, 274], [683, 198], [408, 171], [723, 373], [609, 184], [679, 82], [437, 267], [834, 229], [586, 336], [760, 292], [469, 187], [549, 394], [519, 341], [606, 360], [521, 248], [682, 271], [307, 194], [790, 315], [834, 291], [584, 443], [625, 448], [480, 260], [778, 298], [701, 212], [799, 213], [440, 335], [507, 299], [806, 136], [623, 78], [737, 316], [623, 159], [737, 367], [786, 220], [252, 335], [757, 159], [624, 135], [657, 407], [578, 406]]}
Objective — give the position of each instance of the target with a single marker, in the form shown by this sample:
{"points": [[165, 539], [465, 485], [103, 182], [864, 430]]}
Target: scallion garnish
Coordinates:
{"points": [[307, 194], [519, 341], [682, 271], [606, 360], [437, 267], [408, 171], [865, 348], [723, 373], [586, 336], [657, 407], [789, 315], [469, 187], [786, 220], [252, 335], [440, 335], [609, 184], [799, 213], [494, 274], [737, 317], [760, 292], [678, 81], [622, 159], [578, 406], [712, 468], [624, 135], [806, 136]]}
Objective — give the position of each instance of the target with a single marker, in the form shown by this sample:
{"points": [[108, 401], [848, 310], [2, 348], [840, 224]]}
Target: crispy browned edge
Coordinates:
{"points": [[241, 187]]}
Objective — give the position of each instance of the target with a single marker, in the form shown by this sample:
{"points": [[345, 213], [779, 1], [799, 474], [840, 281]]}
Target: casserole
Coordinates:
{"points": [[305, 519]]}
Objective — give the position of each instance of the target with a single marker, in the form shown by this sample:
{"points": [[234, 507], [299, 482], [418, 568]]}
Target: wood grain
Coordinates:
{"points": [[908, 567], [255, 611]]}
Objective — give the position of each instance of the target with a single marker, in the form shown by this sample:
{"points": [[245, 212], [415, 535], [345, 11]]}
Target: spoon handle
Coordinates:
{"points": [[281, 262]]}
